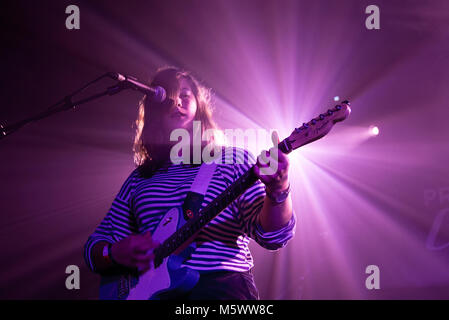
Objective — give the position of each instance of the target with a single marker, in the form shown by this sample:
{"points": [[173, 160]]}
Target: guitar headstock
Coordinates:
{"points": [[316, 128]]}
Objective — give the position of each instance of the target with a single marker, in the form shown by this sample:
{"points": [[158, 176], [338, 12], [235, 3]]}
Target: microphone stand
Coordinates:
{"points": [[63, 105]]}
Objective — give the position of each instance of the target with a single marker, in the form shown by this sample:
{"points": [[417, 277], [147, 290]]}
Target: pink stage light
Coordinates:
{"points": [[374, 130]]}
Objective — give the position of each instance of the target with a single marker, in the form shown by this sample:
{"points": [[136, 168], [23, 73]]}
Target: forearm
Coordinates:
{"points": [[274, 216]]}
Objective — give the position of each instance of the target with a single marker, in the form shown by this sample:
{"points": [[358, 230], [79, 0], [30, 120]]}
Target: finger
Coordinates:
{"points": [[155, 244], [139, 239], [260, 175], [263, 159], [142, 247], [142, 267], [263, 165], [256, 170], [275, 138], [269, 171], [146, 235], [274, 153], [143, 257], [283, 160], [281, 157]]}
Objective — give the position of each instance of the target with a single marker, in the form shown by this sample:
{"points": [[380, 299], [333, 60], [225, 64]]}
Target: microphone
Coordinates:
{"points": [[158, 94]]}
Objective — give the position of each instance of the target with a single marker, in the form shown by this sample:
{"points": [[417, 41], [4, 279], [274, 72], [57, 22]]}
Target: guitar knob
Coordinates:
{"points": [[322, 116], [305, 125], [313, 121], [338, 107], [329, 112]]}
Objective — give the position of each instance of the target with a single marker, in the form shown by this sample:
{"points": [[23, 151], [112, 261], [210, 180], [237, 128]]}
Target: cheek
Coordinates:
{"points": [[193, 107]]}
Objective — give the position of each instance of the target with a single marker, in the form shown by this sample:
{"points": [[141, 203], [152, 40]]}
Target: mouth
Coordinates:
{"points": [[178, 114]]}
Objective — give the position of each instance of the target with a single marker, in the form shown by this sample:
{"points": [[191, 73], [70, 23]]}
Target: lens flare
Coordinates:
{"points": [[374, 130]]}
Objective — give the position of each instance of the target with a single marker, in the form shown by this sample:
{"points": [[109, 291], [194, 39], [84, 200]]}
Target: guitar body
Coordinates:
{"points": [[169, 276]]}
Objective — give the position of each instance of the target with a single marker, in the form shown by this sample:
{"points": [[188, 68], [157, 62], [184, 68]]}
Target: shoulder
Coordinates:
{"points": [[129, 184], [134, 175]]}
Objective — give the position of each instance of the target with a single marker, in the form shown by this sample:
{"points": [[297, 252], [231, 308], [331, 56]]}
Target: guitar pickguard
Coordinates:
{"points": [[169, 276]]}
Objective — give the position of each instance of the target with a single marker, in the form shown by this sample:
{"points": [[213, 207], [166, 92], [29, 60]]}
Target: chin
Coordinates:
{"points": [[178, 123]]}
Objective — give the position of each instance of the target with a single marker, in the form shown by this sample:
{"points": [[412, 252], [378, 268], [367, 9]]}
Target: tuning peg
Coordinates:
{"points": [[2, 131], [313, 121], [297, 130], [305, 125], [322, 116], [338, 107], [329, 112]]}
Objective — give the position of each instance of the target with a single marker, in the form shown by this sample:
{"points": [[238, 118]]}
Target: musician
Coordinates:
{"points": [[263, 212]]}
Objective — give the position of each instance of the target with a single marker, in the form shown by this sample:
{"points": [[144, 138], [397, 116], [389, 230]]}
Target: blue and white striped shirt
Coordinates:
{"points": [[223, 243]]}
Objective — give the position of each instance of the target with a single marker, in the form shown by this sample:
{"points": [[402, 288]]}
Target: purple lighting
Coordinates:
{"points": [[362, 198]]}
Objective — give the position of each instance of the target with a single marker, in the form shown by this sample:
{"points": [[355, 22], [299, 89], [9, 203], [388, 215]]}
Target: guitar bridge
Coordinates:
{"points": [[167, 221]]}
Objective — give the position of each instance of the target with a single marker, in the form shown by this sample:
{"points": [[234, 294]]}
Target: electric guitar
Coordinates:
{"points": [[175, 234]]}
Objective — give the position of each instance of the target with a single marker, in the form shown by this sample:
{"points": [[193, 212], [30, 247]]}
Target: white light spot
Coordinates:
{"points": [[374, 130]]}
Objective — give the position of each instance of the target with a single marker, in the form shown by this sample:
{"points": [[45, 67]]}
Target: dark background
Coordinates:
{"points": [[271, 64]]}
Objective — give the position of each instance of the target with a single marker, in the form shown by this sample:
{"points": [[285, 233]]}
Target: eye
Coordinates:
{"points": [[185, 96]]}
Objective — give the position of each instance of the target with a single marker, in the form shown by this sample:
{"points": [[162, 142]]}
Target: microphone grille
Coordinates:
{"points": [[159, 94]]}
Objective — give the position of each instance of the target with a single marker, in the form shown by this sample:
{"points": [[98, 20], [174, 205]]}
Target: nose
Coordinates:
{"points": [[178, 102], [176, 105]]}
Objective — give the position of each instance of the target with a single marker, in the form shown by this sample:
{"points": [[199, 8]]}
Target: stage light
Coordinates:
{"points": [[336, 98], [374, 130]]}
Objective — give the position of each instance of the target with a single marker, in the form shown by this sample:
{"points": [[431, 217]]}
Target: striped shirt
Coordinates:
{"points": [[223, 243]]}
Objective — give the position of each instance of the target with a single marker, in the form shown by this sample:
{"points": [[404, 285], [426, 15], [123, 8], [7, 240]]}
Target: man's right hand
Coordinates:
{"points": [[135, 251]]}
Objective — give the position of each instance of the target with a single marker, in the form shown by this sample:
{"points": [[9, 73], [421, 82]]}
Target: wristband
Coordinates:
{"points": [[110, 255], [107, 254], [280, 197]]}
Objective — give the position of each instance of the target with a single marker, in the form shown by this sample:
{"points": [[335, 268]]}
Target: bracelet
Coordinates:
{"points": [[107, 254], [281, 197], [110, 255]]}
